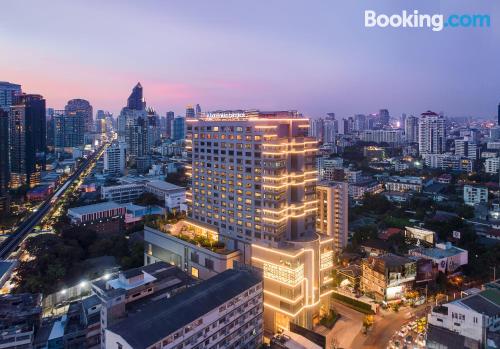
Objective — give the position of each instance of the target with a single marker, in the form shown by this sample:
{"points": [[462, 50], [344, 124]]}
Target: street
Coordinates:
{"points": [[347, 330]]}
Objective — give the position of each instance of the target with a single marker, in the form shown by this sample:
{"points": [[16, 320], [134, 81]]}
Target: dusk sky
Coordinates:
{"points": [[313, 56]]}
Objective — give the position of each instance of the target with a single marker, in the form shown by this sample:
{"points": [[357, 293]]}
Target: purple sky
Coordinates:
{"points": [[314, 56]]}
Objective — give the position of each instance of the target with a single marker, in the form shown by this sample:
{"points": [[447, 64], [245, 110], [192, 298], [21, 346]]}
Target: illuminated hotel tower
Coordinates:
{"points": [[253, 178]]}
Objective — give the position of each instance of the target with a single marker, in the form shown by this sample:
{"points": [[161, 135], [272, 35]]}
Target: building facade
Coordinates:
{"points": [[431, 133], [28, 145], [114, 159], [332, 215], [82, 108], [223, 312]]}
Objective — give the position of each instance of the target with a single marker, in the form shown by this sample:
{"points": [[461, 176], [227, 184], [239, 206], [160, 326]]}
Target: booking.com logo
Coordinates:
{"points": [[436, 22]]}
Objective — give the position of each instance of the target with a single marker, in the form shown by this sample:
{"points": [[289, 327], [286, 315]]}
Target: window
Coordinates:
{"points": [[194, 272], [209, 264]]}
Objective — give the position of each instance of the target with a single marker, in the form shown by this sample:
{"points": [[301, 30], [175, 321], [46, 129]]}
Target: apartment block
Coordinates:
{"points": [[475, 195], [223, 312]]}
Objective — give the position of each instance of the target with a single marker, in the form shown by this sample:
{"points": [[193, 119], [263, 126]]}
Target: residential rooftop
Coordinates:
{"points": [[161, 318], [485, 302], [439, 252], [162, 185], [103, 206]]}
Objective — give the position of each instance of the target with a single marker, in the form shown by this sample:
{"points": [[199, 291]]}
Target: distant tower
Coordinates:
{"points": [[27, 123], [170, 119], [81, 107], [498, 115], [190, 112], [8, 92], [431, 133], [198, 110], [135, 100], [384, 117]]}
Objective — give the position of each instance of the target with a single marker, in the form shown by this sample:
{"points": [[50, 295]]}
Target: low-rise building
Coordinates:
{"points": [[474, 195], [222, 312], [491, 165], [359, 190], [20, 317], [171, 195], [123, 193], [426, 236], [403, 184], [127, 293], [191, 246], [446, 257], [96, 212], [388, 277], [472, 316]]}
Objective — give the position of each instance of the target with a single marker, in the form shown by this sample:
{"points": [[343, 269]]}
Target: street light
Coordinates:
{"points": [[83, 284], [106, 276], [63, 291]]}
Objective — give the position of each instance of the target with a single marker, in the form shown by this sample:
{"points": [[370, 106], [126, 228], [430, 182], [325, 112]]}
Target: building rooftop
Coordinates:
{"points": [[485, 302], [440, 253], [446, 338], [103, 206], [165, 316], [162, 185]]}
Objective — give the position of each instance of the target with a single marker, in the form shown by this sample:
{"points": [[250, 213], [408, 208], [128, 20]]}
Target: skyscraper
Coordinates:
{"points": [[4, 152], [190, 113], [27, 125], [411, 129], [69, 129], [360, 123], [198, 110], [253, 180], [179, 128], [332, 215], [136, 100], [384, 117], [431, 133], [8, 93], [498, 114], [82, 107], [169, 120], [4, 160]]}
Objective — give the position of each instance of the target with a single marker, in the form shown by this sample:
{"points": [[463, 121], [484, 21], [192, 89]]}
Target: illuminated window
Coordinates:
{"points": [[194, 272]]}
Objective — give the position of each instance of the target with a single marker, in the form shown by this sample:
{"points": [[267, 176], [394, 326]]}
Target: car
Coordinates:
{"points": [[408, 339]]}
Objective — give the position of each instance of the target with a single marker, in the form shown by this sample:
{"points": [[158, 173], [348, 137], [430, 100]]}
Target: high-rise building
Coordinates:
{"points": [[190, 113], [330, 129], [197, 110], [4, 159], [169, 120], [8, 92], [253, 181], [49, 116], [498, 114], [27, 126], [332, 215], [69, 129], [360, 123], [384, 117], [179, 128], [136, 100], [431, 133], [81, 107], [114, 159], [411, 129], [316, 129]]}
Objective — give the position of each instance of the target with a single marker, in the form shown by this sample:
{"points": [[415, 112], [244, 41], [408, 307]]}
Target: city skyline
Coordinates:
{"points": [[230, 56]]}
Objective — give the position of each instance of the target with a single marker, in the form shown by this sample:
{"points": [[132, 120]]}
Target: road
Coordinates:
{"points": [[347, 330], [15, 239]]}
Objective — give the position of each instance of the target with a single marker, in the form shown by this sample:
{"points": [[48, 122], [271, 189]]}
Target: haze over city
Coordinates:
{"points": [[314, 57]]}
